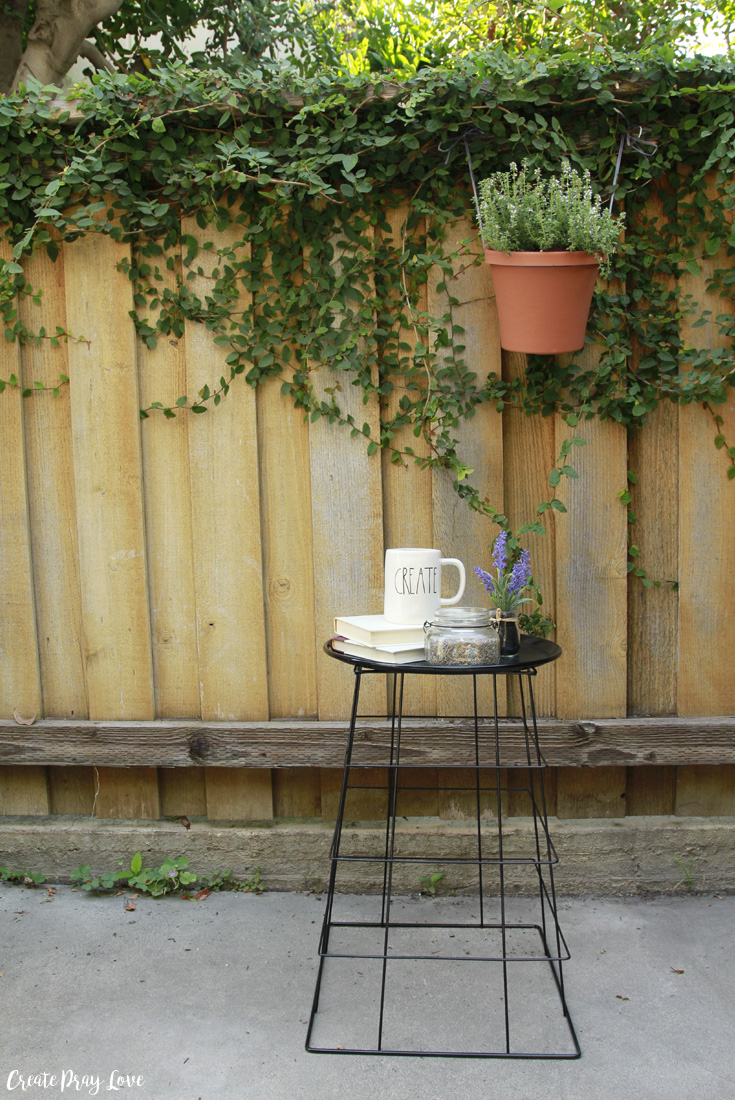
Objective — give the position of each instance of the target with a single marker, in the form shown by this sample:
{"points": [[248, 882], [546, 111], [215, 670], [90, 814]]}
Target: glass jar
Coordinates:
{"points": [[461, 636]]}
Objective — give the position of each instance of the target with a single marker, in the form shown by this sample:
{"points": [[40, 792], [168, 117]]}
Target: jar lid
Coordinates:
{"points": [[461, 616]]}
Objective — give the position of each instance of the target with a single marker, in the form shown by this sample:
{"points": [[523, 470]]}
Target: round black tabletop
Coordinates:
{"points": [[533, 652]]}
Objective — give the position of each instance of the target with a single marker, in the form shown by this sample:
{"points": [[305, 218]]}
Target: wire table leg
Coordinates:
{"points": [[478, 805], [392, 815]]}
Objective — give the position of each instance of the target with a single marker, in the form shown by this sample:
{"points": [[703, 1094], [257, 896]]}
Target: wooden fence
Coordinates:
{"points": [[190, 569]]}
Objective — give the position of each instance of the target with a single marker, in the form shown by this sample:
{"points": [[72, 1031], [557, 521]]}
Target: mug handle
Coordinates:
{"points": [[460, 594]]}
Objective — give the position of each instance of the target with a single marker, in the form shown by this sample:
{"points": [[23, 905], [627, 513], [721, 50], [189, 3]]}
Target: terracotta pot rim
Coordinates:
{"points": [[541, 259]]}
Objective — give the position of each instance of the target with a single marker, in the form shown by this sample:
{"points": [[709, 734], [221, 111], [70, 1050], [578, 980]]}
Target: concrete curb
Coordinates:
{"points": [[601, 857]]}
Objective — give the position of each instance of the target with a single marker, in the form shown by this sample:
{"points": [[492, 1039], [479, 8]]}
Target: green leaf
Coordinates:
{"points": [[181, 401], [555, 477], [136, 863], [158, 125]]}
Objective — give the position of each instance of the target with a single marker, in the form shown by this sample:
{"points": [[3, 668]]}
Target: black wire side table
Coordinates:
{"points": [[394, 980]]}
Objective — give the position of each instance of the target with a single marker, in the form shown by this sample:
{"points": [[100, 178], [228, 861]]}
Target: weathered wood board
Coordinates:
{"points": [[435, 742], [108, 480]]}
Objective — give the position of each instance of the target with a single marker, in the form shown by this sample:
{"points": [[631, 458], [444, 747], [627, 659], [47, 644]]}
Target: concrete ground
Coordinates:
{"points": [[180, 1000]]}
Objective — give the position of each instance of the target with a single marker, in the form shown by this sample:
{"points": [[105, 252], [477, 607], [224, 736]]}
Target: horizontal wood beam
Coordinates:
{"points": [[434, 742]]}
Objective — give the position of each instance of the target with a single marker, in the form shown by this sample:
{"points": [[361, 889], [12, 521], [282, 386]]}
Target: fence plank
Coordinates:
{"points": [[707, 541], [458, 532], [705, 791], [165, 446], [20, 688], [283, 444], [590, 792], [285, 492], [51, 497], [71, 790], [418, 793], [107, 476], [457, 793], [457, 796], [182, 792], [529, 453], [242, 794], [653, 613], [407, 490], [591, 595], [519, 801], [23, 791], [331, 785], [366, 803], [706, 523], [651, 790], [227, 548], [225, 520], [591, 589], [296, 792], [124, 794], [347, 516]]}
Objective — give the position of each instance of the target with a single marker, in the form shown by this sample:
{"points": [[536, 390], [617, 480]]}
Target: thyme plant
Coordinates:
{"points": [[523, 211]]}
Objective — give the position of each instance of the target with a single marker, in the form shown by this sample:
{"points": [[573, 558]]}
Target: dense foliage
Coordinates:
{"points": [[308, 169], [360, 36]]}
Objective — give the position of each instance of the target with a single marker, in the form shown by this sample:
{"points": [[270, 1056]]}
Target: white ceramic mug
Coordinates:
{"points": [[413, 584]]}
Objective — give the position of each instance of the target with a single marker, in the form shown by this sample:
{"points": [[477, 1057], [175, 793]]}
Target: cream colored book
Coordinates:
{"points": [[376, 630], [406, 653]]}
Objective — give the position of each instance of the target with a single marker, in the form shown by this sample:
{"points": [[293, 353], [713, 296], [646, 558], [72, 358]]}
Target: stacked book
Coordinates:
{"points": [[376, 639]]}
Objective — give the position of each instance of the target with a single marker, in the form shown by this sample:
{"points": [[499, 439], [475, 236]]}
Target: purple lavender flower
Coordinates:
{"points": [[520, 573], [500, 551], [487, 581]]}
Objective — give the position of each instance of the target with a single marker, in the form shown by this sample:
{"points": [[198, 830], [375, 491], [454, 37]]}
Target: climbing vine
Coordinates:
{"points": [[299, 177]]}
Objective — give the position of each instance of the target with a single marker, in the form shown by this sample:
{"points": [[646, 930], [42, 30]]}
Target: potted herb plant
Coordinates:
{"points": [[545, 239], [508, 589]]}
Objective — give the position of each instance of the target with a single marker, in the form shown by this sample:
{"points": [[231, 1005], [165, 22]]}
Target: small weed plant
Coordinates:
{"points": [[21, 878], [172, 877], [688, 870], [429, 883]]}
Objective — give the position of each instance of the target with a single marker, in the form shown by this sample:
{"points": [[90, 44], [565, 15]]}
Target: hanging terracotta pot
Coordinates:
{"points": [[543, 299]]}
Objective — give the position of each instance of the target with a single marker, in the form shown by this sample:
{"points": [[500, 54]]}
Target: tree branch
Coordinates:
{"points": [[56, 38], [89, 51]]}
